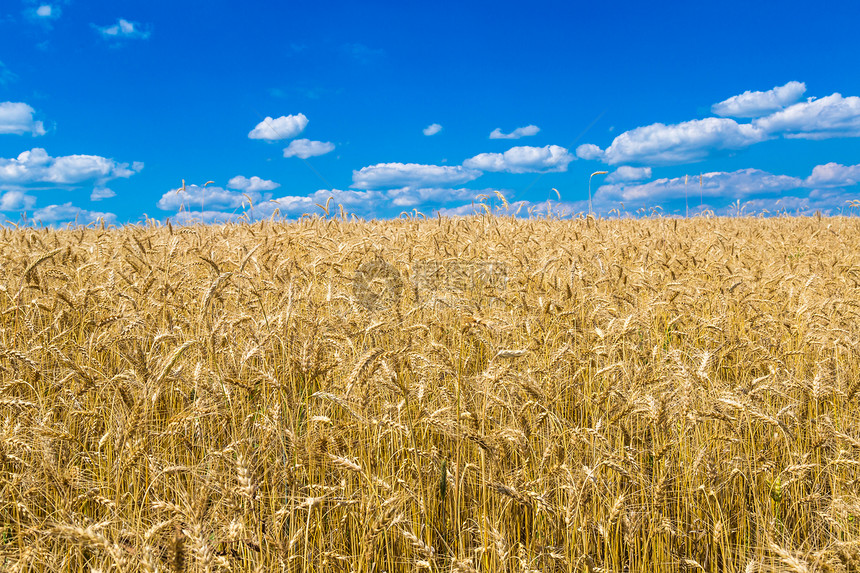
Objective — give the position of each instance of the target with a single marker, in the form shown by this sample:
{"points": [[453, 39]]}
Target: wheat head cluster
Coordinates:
{"points": [[363, 396]]}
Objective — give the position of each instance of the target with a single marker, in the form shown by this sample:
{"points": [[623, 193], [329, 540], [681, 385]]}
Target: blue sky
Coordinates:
{"points": [[106, 107]]}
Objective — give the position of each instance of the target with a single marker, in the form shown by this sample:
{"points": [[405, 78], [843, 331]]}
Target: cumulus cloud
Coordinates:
{"points": [[216, 202], [393, 175], [361, 201], [461, 210], [124, 30], [627, 173], [16, 201], [589, 151], [305, 148], [70, 213], [414, 197], [42, 13], [757, 104], [523, 160], [100, 193], [432, 129], [828, 201], [682, 142], [690, 141], [254, 184], [284, 127], [726, 185], [515, 134], [206, 197], [830, 116], [834, 175], [46, 12], [519, 208], [203, 217], [36, 166], [18, 118]]}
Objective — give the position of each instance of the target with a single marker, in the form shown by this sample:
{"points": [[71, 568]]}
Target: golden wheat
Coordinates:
{"points": [[467, 394]]}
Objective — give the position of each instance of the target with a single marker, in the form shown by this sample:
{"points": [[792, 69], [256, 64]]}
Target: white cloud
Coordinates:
{"points": [[208, 197], [757, 104], [36, 166], [42, 13], [305, 148], [70, 213], [725, 185], [124, 29], [589, 151], [518, 208], [695, 140], [100, 193], [392, 175], [292, 205], [555, 208], [461, 211], [251, 185], [432, 129], [682, 142], [828, 201], [414, 197], [347, 196], [515, 134], [48, 12], [523, 160], [830, 116], [213, 207], [627, 173], [203, 217], [834, 175], [17, 118], [16, 201], [284, 127]]}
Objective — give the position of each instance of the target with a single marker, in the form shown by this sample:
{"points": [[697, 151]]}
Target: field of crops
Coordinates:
{"points": [[478, 394]]}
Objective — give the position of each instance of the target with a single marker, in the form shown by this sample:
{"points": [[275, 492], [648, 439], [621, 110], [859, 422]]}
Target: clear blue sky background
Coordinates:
{"points": [[106, 106]]}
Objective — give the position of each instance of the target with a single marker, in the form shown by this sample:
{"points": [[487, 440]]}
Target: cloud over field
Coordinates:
{"points": [[660, 144], [757, 104], [741, 183], [515, 134], [774, 113], [834, 175], [523, 159], [416, 197], [831, 116], [393, 175], [36, 166], [205, 197], [124, 30], [16, 201], [100, 193], [252, 185], [70, 213], [432, 129], [284, 127], [305, 148], [18, 118], [627, 173]]}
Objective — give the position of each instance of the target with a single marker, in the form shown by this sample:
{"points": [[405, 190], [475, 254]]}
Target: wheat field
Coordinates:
{"points": [[462, 394]]}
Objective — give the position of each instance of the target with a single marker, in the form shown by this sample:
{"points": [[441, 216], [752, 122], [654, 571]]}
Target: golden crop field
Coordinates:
{"points": [[474, 394]]}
